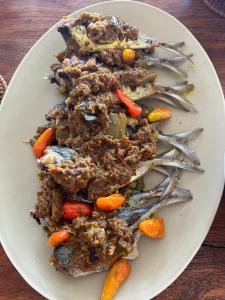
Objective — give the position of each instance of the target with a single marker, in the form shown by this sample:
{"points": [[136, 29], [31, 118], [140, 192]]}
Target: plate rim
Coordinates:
{"points": [[193, 251]]}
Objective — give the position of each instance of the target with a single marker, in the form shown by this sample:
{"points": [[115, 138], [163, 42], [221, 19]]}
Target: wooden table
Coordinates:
{"points": [[22, 23]]}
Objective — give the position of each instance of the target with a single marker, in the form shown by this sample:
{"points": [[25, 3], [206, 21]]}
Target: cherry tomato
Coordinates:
{"points": [[72, 210]]}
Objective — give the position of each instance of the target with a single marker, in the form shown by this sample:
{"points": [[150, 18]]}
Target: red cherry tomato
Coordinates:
{"points": [[72, 210]]}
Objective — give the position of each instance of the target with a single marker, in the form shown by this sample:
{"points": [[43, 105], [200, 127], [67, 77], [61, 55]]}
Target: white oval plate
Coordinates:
{"points": [[29, 97]]}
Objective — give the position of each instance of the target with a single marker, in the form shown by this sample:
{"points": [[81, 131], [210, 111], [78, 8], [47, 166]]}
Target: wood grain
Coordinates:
{"points": [[22, 23]]}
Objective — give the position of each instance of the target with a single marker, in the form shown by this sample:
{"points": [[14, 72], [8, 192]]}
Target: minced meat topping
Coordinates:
{"points": [[97, 145]]}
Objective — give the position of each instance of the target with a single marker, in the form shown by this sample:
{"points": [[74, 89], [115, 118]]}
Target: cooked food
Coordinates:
{"points": [[98, 144], [80, 78]]}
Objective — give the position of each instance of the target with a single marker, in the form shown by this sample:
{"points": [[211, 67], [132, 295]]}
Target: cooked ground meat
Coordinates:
{"points": [[49, 200], [111, 57], [130, 32], [58, 111], [75, 175], [94, 242], [89, 117], [105, 164], [108, 182], [102, 32], [80, 78], [105, 29], [92, 83], [98, 146], [146, 138], [86, 18], [134, 77], [66, 73], [67, 53], [115, 171], [145, 133]]}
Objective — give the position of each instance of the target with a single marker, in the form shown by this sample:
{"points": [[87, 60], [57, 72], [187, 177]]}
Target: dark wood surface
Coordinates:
{"points": [[22, 23]]}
